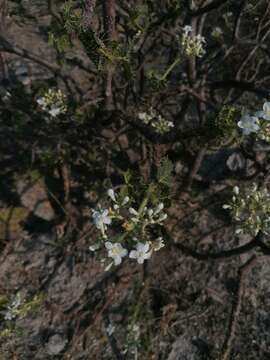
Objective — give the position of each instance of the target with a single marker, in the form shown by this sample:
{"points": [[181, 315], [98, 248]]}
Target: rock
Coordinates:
{"points": [[214, 166], [236, 162], [33, 196], [56, 344], [67, 287], [182, 349]]}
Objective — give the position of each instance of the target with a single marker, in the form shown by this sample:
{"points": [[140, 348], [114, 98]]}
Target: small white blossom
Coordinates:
{"points": [[133, 211], [265, 114], [41, 101], [248, 124], [238, 231], [159, 208], [150, 212], [144, 117], [125, 200], [115, 251], [94, 247], [101, 219], [187, 29], [54, 111], [162, 217], [111, 194], [141, 253], [236, 190], [158, 244]]}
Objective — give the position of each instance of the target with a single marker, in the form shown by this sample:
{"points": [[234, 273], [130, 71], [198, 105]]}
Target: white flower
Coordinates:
{"points": [[142, 116], [187, 29], [162, 217], [236, 190], [42, 103], [158, 244], [101, 219], [226, 206], [141, 253], [265, 114], [159, 208], [145, 118], [125, 200], [249, 124], [238, 231], [150, 212], [94, 247], [54, 111], [115, 251], [133, 211], [111, 194]]}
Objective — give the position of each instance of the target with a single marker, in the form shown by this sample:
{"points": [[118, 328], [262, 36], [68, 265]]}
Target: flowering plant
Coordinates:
{"points": [[128, 226], [53, 102], [156, 121], [250, 209], [258, 124], [192, 45]]}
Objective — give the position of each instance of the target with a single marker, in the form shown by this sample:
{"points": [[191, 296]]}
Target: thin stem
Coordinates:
{"points": [[170, 68]]}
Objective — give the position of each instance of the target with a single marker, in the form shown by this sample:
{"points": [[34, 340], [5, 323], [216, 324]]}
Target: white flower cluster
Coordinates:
{"points": [[193, 45], [53, 102], [135, 223], [258, 124], [158, 122], [13, 309], [250, 208], [148, 216]]}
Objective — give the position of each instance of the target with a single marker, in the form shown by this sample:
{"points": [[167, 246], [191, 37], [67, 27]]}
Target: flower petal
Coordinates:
{"points": [[133, 254], [117, 260], [107, 220], [108, 245], [111, 194], [123, 252]]}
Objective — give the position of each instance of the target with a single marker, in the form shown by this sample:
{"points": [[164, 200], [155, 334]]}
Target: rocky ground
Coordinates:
{"points": [[177, 307]]}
